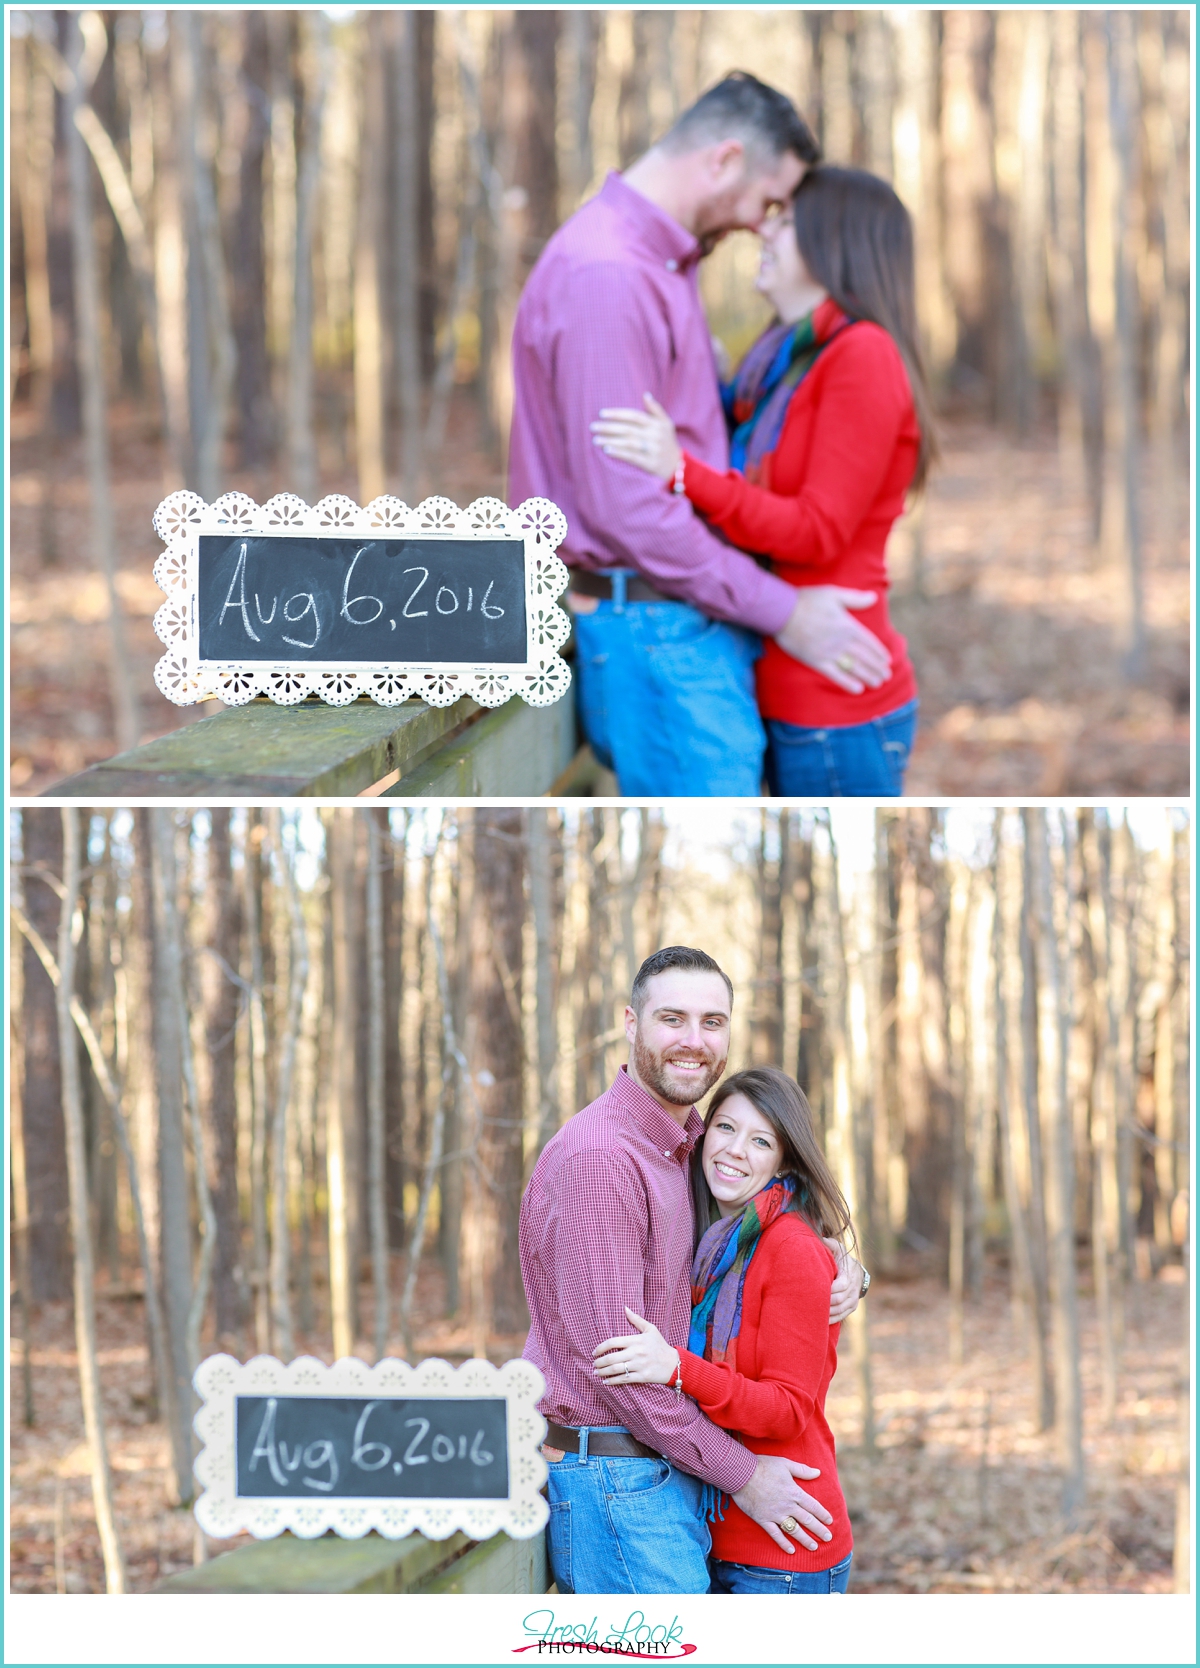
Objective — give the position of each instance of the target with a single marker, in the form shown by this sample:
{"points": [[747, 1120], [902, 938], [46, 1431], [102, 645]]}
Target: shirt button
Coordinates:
{"points": [[672, 266], [666, 1152]]}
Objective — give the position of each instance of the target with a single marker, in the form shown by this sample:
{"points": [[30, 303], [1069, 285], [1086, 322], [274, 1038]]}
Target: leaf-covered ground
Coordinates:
{"points": [[962, 1495], [1016, 626]]}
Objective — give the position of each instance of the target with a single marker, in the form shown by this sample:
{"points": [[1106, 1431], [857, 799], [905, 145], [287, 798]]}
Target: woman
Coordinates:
{"points": [[761, 1351], [831, 426]]}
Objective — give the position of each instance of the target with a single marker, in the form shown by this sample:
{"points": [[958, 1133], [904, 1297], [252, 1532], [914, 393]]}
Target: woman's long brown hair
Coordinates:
{"points": [[784, 1105], [856, 238]]}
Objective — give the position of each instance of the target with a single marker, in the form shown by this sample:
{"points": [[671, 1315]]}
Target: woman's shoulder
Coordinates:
{"points": [[793, 1240]]}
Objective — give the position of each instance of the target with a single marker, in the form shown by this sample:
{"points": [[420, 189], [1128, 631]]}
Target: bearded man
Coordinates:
{"points": [[607, 1222]]}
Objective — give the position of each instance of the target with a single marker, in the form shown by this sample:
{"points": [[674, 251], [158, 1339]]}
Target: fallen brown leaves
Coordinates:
{"points": [[965, 1495], [962, 1495], [1015, 633]]}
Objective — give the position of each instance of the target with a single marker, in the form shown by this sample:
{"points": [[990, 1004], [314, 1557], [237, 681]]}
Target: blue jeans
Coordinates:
{"points": [[757, 1578], [667, 699], [848, 760], [625, 1526]]}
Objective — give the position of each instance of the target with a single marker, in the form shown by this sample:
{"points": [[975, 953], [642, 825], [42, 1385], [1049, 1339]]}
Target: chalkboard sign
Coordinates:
{"points": [[334, 601], [371, 1448], [394, 1448]]}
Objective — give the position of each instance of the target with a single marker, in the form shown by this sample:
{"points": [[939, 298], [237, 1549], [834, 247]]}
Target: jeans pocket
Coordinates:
{"points": [[636, 1476], [558, 1545]]}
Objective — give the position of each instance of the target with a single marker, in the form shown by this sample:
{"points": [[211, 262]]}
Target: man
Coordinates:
{"points": [[665, 610], [607, 1221]]}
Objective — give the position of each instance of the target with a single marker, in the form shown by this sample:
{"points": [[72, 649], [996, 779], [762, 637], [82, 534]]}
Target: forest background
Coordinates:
{"points": [[281, 250], [280, 1078]]}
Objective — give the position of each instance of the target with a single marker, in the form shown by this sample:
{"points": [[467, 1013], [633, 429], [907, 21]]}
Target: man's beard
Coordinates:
{"points": [[650, 1068]]}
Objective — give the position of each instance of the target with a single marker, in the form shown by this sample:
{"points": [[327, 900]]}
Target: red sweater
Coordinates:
{"points": [[775, 1401], [830, 493]]}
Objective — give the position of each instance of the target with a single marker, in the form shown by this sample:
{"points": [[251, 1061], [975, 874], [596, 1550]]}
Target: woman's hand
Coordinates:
{"points": [[644, 1357], [646, 438]]}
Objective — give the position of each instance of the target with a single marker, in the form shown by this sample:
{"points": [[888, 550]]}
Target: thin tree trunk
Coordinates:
{"points": [[1054, 1032], [1023, 1300], [433, 1157], [223, 1014], [175, 1228], [1037, 1184], [376, 1059], [252, 871], [91, 376], [1124, 533], [1103, 1132], [407, 297], [22, 1293], [343, 1098], [288, 1043], [81, 1232], [368, 321], [302, 447], [842, 1135], [541, 886]]}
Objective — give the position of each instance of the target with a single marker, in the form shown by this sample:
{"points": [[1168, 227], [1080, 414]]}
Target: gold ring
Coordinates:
{"points": [[790, 1524], [844, 663]]}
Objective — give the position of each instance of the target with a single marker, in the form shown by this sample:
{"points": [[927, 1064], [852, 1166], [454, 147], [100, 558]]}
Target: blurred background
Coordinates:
{"points": [[325, 1048], [281, 250]]}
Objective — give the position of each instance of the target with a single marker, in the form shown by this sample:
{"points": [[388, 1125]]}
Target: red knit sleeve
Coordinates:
{"points": [[793, 1344], [864, 405]]}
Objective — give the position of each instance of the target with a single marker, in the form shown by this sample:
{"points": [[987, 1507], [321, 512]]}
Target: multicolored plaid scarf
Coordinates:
{"points": [[757, 399], [719, 1272]]}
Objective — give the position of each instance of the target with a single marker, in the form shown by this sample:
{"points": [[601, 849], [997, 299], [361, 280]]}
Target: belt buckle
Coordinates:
{"points": [[617, 578]]}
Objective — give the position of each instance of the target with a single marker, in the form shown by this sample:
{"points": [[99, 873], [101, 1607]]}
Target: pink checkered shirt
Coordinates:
{"points": [[612, 311], [606, 1221]]}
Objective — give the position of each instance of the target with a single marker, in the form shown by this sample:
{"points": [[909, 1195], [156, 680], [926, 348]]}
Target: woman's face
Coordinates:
{"points": [[741, 1154], [782, 275]]}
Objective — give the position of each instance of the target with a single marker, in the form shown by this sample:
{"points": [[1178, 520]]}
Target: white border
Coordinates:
{"points": [[222, 1512], [184, 678]]}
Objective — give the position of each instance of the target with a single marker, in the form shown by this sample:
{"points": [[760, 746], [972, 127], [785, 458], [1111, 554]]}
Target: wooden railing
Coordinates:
{"points": [[372, 1565], [312, 750]]}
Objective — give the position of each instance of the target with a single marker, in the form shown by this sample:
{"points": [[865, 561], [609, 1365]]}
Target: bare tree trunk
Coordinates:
{"points": [[288, 1043], [174, 1215], [1023, 1299], [91, 376], [842, 1135], [408, 250], [497, 1060], [224, 1007], [541, 886], [1103, 1131], [368, 322], [433, 1157], [252, 875], [302, 447], [212, 354], [1037, 1183], [343, 1098], [1124, 533], [81, 1230], [22, 1292], [376, 1006], [247, 265], [1054, 1032]]}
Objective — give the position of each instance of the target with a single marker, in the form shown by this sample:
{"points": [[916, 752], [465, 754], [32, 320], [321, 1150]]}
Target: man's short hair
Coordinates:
{"points": [[675, 957], [743, 107]]}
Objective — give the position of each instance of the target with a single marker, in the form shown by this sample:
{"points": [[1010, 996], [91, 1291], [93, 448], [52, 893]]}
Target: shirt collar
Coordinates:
{"points": [[654, 1121], [660, 236]]}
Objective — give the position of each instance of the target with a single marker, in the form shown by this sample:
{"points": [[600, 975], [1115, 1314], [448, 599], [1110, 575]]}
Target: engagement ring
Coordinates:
{"points": [[844, 662], [790, 1524]]}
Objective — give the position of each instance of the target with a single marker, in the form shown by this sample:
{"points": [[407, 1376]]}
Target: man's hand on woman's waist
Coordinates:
{"points": [[823, 634]]}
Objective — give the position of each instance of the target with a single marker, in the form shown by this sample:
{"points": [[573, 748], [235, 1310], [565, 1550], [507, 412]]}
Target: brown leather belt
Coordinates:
{"points": [[599, 585], [604, 1444]]}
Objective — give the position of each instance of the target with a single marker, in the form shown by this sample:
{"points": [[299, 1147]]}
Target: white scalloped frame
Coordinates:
{"points": [[221, 1512], [184, 679]]}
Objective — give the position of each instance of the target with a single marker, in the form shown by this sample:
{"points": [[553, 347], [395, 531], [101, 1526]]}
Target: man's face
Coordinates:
{"points": [[742, 190], [679, 1042]]}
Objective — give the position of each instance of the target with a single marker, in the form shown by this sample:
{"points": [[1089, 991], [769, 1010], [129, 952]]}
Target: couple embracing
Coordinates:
{"points": [[686, 1280], [704, 522]]}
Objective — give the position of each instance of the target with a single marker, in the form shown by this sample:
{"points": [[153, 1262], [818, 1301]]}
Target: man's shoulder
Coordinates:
{"points": [[593, 244], [597, 1139]]}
